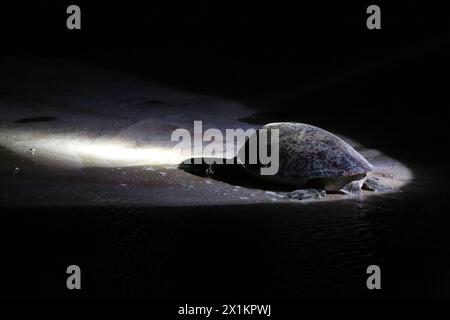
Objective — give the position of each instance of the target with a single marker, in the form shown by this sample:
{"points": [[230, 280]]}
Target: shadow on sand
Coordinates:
{"points": [[234, 174]]}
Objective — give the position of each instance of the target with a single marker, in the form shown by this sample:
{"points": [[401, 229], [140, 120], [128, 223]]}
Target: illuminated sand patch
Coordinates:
{"points": [[108, 146], [75, 151], [119, 172]]}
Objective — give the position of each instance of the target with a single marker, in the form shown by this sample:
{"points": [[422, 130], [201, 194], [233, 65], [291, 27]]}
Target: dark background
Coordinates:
{"points": [[313, 58], [315, 63]]}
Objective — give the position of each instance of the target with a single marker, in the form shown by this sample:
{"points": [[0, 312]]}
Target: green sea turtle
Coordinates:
{"points": [[311, 160], [317, 161]]}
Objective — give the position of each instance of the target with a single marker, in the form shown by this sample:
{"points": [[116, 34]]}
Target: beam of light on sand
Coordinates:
{"points": [[125, 155], [70, 150]]}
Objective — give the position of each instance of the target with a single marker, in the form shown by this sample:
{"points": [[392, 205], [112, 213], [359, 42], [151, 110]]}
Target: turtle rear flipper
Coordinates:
{"points": [[373, 184]]}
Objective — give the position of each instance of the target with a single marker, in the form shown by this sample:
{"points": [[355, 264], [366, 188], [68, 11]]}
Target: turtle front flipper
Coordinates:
{"points": [[306, 194], [353, 188], [373, 184]]}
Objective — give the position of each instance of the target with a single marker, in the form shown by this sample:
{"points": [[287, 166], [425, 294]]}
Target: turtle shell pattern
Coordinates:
{"points": [[306, 151]]}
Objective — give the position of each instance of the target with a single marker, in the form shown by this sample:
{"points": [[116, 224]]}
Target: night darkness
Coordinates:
{"points": [[136, 233]]}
